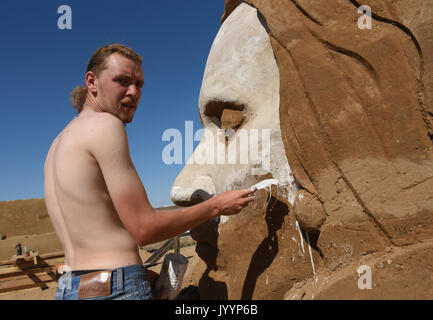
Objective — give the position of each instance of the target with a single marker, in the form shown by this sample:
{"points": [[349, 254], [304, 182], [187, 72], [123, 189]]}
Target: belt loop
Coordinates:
{"points": [[65, 282], [119, 280], [63, 287]]}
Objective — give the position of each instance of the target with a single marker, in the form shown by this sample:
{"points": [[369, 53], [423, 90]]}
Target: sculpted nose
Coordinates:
{"points": [[187, 191]]}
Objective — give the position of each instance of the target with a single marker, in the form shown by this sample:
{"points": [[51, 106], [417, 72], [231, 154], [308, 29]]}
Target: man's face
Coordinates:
{"points": [[119, 87]]}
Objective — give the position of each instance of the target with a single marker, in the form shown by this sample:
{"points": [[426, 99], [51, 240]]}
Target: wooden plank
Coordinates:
{"points": [[41, 284], [176, 245], [5, 272], [42, 256], [160, 252], [24, 278], [53, 255], [14, 278]]}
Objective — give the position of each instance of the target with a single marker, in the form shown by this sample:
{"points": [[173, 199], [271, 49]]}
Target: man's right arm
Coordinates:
{"points": [[108, 144]]}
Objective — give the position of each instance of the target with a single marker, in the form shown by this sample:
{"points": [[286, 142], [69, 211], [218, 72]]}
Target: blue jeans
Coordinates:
{"points": [[127, 283]]}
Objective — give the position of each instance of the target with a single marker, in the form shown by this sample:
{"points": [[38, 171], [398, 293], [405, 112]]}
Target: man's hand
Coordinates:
{"points": [[232, 202]]}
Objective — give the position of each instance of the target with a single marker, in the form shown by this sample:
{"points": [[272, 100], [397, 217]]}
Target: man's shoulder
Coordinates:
{"points": [[105, 119], [101, 123], [102, 130]]}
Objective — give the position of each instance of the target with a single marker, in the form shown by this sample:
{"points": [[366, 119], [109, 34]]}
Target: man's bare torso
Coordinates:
{"points": [[79, 204]]}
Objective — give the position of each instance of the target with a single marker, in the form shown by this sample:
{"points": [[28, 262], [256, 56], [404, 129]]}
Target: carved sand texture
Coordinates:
{"points": [[357, 125], [350, 101]]}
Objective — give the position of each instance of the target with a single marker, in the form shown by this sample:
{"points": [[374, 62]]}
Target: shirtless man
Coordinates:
{"points": [[94, 196]]}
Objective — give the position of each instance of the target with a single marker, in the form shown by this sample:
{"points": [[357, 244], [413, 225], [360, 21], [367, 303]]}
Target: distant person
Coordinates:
{"points": [[19, 249], [94, 196]]}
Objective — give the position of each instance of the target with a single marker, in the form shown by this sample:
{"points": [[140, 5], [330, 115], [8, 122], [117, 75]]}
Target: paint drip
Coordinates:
{"points": [[300, 236], [311, 255], [266, 184], [309, 246]]}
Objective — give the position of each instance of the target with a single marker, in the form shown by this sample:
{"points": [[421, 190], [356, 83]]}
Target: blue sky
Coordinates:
{"points": [[41, 64]]}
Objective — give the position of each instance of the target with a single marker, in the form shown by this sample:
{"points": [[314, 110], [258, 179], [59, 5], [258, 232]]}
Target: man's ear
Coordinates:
{"points": [[91, 82]]}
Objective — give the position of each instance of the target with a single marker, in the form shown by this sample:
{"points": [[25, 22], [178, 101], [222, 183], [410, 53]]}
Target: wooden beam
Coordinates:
{"points": [[11, 271], [52, 255], [41, 284], [160, 252], [42, 256]]}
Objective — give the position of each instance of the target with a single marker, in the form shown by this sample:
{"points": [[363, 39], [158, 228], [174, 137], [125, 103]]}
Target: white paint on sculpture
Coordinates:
{"points": [[241, 71], [265, 184], [311, 255], [300, 236]]}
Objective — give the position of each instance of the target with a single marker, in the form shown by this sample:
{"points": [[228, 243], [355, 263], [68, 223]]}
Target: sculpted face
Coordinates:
{"points": [[361, 150], [239, 108], [119, 87]]}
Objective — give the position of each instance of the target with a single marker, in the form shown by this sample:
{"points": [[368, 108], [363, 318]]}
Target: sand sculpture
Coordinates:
{"points": [[350, 119]]}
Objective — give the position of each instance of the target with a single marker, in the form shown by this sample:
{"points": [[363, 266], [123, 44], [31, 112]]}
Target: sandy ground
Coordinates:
{"points": [[47, 243]]}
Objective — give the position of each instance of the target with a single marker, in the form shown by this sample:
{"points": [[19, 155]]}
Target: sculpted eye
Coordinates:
{"points": [[226, 115]]}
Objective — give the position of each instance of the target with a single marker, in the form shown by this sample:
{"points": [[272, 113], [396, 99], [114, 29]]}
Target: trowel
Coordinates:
{"points": [[264, 184]]}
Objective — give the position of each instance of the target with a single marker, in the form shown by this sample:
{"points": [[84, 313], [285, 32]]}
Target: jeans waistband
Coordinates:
{"points": [[117, 275], [76, 273], [130, 268]]}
